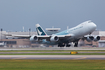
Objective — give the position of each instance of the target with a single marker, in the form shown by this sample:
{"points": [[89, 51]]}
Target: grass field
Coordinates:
{"points": [[52, 64], [16, 64], [52, 50]]}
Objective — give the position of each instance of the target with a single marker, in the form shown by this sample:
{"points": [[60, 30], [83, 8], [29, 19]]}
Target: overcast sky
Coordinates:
{"points": [[14, 14]]}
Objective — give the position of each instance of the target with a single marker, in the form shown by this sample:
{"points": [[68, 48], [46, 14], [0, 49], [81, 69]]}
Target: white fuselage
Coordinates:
{"points": [[80, 30], [77, 32]]}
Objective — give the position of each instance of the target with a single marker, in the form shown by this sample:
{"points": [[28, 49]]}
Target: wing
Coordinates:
{"points": [[53, 37], [40, 37]]}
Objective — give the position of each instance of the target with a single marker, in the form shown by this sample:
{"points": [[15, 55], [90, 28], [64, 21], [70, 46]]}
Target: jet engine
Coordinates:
{"points": [[33, 38], [54, 38], [96, 38], [90, 38]]}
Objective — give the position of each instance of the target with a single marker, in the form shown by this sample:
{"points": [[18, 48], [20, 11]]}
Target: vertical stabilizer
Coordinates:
{"points": [[39, 30]]}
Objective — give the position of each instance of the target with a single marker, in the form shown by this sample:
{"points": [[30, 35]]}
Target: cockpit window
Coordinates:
{"points": [[86, 22]]}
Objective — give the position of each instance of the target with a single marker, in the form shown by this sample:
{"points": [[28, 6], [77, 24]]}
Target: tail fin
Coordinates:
{"points": [[39, 30]]}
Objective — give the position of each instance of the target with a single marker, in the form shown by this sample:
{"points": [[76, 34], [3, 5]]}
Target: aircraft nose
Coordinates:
{"points": [[94, 25]]}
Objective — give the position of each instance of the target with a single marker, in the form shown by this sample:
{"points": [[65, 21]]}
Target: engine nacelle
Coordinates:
{"points": [[54, 38], [96, 38], [90, 38], [33, 38]]}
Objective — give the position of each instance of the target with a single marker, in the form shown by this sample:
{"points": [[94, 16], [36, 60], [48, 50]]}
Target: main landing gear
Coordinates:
{"points": [[63, 44], [76, 44], [68, 44]]}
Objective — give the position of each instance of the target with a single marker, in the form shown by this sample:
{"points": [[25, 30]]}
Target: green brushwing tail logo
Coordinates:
{"points": [[40, 31]]}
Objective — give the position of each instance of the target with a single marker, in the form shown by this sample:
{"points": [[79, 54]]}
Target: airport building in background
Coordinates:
{"points": [[6, 41], [52, 30]]}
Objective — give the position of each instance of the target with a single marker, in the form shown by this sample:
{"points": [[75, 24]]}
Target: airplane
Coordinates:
{"points": [[64, 38]]}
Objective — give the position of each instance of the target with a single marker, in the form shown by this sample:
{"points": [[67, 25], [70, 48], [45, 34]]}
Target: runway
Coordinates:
{"points": [[66, 57]]}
